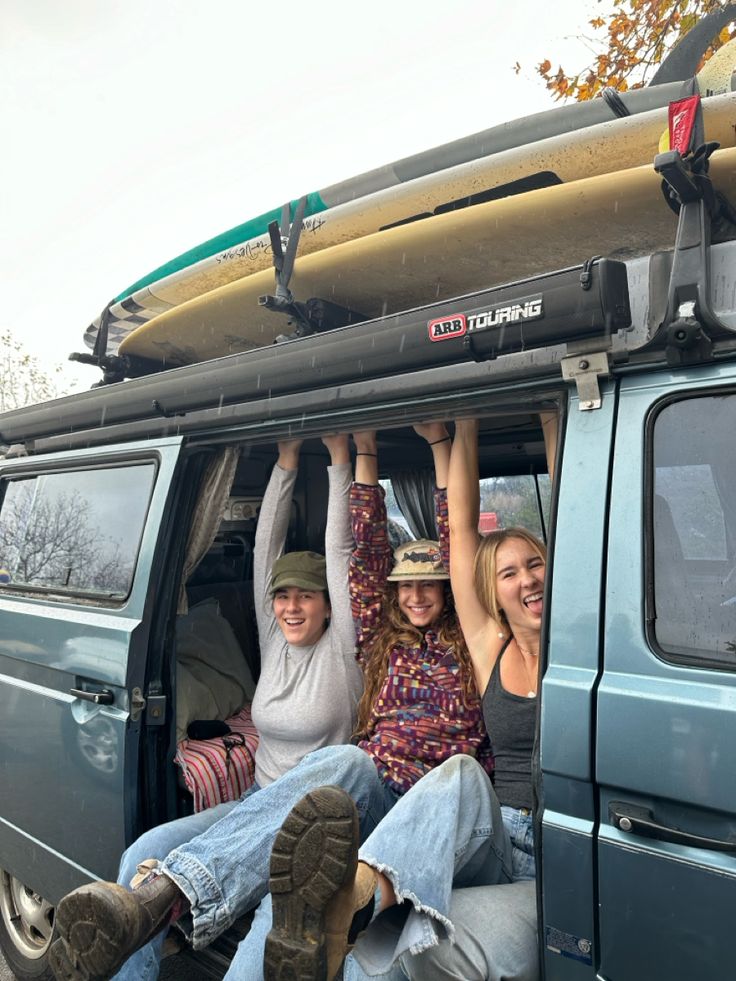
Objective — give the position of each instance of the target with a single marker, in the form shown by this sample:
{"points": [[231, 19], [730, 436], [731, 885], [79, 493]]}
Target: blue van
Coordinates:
{"points": [[608, 415]]}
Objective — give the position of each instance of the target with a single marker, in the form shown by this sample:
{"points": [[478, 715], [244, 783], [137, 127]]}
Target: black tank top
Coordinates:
{"points": [[510, 721]]}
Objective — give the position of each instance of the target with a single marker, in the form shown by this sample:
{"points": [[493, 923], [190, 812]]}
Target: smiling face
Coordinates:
{"points": [[301, 614], [520, 583], [421, 600]]}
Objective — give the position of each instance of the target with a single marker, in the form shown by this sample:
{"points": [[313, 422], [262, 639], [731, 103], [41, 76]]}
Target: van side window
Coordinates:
{"points": [[694, 529], [76, 532]]}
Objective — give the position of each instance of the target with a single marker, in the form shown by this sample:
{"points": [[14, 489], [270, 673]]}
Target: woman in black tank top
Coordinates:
{"points": [[498, 583]]}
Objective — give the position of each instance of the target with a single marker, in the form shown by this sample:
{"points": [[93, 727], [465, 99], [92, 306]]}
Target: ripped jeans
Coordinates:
{"points": [[449, 831]]}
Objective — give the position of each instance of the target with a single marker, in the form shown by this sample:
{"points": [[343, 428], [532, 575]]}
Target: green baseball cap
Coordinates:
{"points": [[307, 570]]}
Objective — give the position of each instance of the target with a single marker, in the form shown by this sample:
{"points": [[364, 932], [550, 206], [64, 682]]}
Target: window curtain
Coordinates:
{"points": [[414, 490], [213, 498]]}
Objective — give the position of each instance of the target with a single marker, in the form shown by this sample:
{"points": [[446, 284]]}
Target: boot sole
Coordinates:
{"points": [[94, 929], [314, 855]]}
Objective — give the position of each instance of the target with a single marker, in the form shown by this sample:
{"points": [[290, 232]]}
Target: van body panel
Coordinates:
{"points": [[73, 764], [663, 915], [568, 852], [665, 731]]}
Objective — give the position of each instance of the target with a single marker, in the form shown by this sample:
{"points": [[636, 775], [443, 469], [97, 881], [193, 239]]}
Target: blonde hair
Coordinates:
{"points": [[394, 630], [484, 566]]}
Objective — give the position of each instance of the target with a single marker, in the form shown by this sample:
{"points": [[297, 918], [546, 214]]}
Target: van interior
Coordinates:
{"points": [[516, 454], [515, 490]]}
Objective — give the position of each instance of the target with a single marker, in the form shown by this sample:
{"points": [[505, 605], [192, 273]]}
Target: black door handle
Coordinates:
{"points": [[103, 697], [633, 819]]}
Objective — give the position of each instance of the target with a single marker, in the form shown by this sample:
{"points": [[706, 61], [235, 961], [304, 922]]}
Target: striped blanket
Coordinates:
{"points": [[220, 769]]}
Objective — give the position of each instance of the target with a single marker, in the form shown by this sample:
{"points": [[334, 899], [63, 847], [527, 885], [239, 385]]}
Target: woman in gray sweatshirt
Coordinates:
{"points": [[310, 681]]}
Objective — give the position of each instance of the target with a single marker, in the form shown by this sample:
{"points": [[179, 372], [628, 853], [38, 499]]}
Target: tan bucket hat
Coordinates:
{"points": [[418, 560]]}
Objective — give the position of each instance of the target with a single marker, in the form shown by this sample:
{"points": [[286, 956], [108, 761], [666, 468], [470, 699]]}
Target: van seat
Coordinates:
{"points": [[220, 769]]}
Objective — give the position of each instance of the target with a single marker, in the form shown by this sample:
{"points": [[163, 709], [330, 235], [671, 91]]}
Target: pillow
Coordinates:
{"points": [[213, 680]]}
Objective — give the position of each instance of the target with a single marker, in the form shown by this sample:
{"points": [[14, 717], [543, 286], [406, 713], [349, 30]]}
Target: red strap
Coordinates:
{"points": [[682, 115]]}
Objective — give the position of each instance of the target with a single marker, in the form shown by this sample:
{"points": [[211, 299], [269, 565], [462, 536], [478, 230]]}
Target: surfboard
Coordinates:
{"points": [[409, 189], [619, 215]]}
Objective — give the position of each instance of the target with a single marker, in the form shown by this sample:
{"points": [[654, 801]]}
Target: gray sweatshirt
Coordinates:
{"points": [[306, 697]]}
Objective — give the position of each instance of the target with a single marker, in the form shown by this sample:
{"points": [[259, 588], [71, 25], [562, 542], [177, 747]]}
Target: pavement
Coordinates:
{"points": [[172, 969]]}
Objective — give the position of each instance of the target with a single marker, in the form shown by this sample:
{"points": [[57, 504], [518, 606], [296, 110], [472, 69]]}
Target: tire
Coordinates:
{"points": [[26, 930]]}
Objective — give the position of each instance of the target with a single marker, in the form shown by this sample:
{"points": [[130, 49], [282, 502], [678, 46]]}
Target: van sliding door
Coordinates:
{"points": [[78, 534]]}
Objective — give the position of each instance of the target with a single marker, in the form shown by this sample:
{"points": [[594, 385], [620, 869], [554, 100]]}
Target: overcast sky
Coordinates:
{"points": [[135, 129]]}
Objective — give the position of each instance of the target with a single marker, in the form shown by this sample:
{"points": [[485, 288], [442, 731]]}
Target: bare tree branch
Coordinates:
{"points": [[23, 380]]}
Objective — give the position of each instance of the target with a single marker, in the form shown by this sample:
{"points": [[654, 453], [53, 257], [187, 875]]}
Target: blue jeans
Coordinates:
{"points": [[495, 938], [223, 871], [478, 848], [455, 808], [519, 828], [448, 832]]}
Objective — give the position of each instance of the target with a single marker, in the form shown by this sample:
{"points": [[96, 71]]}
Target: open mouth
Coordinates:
{"points": [[532, 601]]}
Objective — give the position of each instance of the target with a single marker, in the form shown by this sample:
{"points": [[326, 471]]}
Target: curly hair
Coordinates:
{"points": [[394, 630], [484, 566]]}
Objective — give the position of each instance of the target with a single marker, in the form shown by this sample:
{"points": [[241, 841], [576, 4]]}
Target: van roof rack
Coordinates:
{"points": [[578, 317], [588, 301]]}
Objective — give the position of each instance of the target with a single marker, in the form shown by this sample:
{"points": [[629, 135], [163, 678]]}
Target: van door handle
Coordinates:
{"points": [[103, 697], [632, 819]]}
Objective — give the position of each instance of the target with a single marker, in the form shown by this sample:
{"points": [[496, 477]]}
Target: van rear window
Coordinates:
{"points": [[76, 532]]}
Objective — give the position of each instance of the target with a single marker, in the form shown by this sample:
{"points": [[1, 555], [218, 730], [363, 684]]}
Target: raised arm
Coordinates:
{"points": [[436, 436], [273, 524], [366, 458], [463, 493], [339, 540], [370, 562], [439, 441]]}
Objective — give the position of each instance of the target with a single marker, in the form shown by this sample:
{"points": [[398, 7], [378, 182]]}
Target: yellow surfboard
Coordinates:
{"points": [[619, 215], [594, 150]]}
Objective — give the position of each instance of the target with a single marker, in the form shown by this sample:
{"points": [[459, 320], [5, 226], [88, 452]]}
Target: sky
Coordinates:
{"points": [[135, 130]]}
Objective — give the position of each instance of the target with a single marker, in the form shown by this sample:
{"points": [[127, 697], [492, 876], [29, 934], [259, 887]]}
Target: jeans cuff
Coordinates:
{"points": [[421, 928], [209, 913]]}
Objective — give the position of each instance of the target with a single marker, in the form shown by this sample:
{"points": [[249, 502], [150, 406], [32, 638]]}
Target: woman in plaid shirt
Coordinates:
{"points": [[420, 705]]}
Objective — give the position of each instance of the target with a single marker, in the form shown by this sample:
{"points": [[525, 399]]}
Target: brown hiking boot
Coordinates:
{"points": [[316, 887], [100, 925]]}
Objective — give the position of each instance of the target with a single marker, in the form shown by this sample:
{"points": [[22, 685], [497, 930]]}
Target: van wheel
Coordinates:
{"points": [[26, 930]]}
